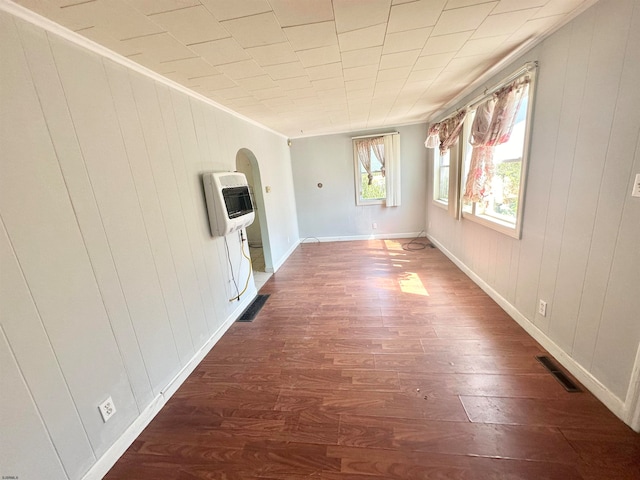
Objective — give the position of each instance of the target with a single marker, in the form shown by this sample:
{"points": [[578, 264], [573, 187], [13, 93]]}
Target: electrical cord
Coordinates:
{"points": [[246, 285], [415, 245], [233, 277]]}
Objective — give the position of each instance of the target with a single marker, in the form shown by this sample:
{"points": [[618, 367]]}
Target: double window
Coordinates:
{"points": [[490, 150]]}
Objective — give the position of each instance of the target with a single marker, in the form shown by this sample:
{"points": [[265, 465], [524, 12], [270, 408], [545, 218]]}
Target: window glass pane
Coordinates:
{"points": [[377, 189], [443, 176]]}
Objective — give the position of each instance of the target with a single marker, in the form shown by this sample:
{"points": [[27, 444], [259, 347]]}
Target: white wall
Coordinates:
{"points": [[579, 249], [110, 281], [331, 211]]}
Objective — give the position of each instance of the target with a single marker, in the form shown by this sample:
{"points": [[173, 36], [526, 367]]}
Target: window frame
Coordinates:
{"points": [[494, 222], [454, 181], [392, 169]]}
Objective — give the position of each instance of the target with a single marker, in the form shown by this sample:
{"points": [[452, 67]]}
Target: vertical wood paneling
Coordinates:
{"points": [[43, 230], [157, 173], [22, 428], [199, 226], [621, 145], [58, 119], [619, 333], [41, 372], [601, 90], [92, 110], [571, 81], [186, 268]]}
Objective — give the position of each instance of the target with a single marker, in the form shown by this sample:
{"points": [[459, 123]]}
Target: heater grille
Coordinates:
{"points": [[558, 374]]}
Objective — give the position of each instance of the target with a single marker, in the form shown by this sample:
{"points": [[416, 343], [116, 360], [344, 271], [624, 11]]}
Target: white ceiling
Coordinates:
{"points": [[309, 67]]}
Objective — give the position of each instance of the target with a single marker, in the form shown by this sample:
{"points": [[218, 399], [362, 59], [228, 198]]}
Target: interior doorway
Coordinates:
{"points": [[257, 232]]}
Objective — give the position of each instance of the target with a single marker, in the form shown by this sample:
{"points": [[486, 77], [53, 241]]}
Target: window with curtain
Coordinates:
{"points": [[496, 135], [444, 136], [377, 169]]}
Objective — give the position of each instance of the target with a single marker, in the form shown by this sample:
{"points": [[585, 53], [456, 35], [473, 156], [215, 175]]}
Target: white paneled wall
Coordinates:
{"points": [[579, 249], [111, 282]]}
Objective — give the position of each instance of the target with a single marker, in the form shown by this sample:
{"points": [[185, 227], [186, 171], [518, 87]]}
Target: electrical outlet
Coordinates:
{"points": [[542, 308], [107, 409], [636, 187], [374, 225]]}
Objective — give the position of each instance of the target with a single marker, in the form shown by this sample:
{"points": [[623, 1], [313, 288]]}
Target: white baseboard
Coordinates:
{"points": [[612, 402], [352, 238], [632, 400], [111, 456], [284, 258]]}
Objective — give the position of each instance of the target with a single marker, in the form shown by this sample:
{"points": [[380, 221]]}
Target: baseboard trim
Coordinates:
{"points": [[284, 258], [353, 238], [590, 382], [111, 456]]}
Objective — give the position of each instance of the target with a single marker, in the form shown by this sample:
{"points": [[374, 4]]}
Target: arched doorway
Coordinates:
{"points": [[257, 233]]}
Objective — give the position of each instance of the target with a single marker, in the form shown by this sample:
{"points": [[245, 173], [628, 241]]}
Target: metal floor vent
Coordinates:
{"points": [[558, 374]]}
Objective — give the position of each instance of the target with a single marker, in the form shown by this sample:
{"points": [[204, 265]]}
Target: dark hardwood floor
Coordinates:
{"points": [[371, 362]]}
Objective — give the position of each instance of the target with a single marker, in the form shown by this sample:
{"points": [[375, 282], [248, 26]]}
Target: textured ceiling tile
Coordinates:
{"points": [[191, 25], [513, 5], [356, 73], [534, 28], [295, 83], [364, 38], [216, 82], [358, 58], [149, 7], [257, 83], [421, 76], [362, 84], [319, 56], [300, 12], [273, 54], [462, 19], [103, 36], [316, 35], [402, 59], [328, 83], [445, 43], [407, 40], [451, 4], [433, 61], [332, 70], [481, 45], [266, 93], [228, 9], [231, 93], [189, 67], [122, 20], [420, 14], [220, 52], [161, 47], [354, 15], [256, 30], [285, 70], [503, 23], [393, 74], [243, 69], [558, 7], [302, 93]]}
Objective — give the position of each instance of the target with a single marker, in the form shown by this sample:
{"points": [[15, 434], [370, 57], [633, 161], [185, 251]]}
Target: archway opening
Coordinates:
{"points": [[258, 232]]}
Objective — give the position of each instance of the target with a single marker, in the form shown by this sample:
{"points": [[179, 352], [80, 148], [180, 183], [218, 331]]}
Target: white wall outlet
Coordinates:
{"points": [[374, 225], [636, 186], [107, 409], [542, 308]]}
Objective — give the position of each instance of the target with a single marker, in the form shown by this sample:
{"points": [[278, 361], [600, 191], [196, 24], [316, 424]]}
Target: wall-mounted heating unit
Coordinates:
{"points": [[229, 202]]}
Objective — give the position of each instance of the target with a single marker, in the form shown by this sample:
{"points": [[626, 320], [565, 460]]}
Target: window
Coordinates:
{"points": [[377, 169], [494, 170], [441, 187]]}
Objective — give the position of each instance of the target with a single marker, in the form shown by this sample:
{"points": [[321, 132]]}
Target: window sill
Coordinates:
{"points": [[494, 224], [378, 201], [441, 204]]}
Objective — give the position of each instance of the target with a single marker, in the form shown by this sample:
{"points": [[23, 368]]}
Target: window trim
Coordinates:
{"points": [[356, 170], [512, 230]]}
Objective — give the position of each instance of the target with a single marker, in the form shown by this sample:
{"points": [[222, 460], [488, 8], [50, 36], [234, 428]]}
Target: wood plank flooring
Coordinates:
{"points": [[371, 362]]}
